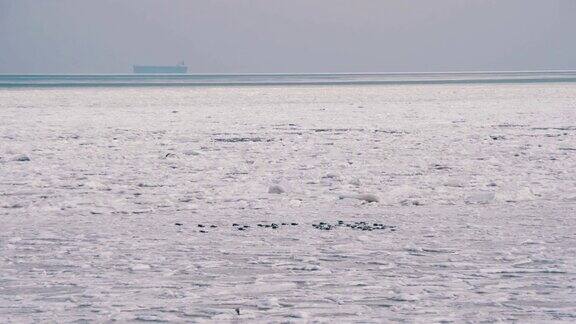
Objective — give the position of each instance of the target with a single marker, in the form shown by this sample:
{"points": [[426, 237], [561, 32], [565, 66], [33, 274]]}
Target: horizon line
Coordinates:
{"points": [[289, 73]]}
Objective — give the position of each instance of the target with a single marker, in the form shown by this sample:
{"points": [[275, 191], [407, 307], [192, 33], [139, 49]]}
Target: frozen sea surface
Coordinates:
{"points": [[102, 191]]}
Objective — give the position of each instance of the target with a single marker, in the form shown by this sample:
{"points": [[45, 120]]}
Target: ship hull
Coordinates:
{"points": [[148, 69]]}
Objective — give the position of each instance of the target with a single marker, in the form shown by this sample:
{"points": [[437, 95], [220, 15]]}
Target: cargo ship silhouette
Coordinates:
{"points": [[181, 68]]}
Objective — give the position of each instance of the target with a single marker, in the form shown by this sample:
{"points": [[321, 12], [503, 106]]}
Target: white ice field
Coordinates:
{"points": [[102, 191]]}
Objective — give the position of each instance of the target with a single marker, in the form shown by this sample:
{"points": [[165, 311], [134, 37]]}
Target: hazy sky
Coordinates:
{"points": [[108, 36]]}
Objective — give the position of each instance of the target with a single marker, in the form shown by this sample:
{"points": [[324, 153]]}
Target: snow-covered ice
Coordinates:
{"points": [[119, 203]]}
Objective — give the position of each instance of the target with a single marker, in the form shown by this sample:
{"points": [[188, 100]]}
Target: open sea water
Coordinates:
{"points": [[283, 79]]}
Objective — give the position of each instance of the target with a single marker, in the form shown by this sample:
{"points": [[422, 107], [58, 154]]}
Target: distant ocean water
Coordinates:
{"points": [[107, 80]]}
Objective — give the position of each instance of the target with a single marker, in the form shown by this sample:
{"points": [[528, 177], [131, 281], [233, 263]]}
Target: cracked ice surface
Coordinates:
{"points": [[478, 181]]}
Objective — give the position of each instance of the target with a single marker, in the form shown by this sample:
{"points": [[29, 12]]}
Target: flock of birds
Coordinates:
{"points": [[323, 226]]}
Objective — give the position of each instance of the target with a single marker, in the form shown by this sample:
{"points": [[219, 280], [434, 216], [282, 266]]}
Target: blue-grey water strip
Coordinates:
{"points": [[136, 80]]}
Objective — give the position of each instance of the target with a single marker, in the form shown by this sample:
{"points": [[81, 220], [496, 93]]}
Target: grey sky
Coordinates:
{"points": [[108, 36]]}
